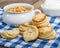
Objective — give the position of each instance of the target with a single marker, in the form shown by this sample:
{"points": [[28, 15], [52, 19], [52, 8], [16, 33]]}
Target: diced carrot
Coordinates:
{"points": [[17, 10]]}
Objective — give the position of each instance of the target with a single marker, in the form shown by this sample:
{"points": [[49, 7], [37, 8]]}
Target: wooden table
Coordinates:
{"points": [[36, 3]]}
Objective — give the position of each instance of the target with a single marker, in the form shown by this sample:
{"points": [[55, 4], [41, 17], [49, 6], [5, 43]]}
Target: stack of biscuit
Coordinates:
{"points": [[44, 27], [40, 20]]}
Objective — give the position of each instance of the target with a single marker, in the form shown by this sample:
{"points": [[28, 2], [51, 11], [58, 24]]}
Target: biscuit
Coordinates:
{"points": [[23, 27], [40, 20], [10, 33], [47, 33], [39, 17], [31, 33]]}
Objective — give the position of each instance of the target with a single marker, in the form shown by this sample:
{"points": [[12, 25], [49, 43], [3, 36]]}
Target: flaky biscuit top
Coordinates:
{"points": [[31, 33], [45, 30], [23, 26], [39, 17]]}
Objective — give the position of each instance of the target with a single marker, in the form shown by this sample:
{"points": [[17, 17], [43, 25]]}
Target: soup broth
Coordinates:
{"points": [[18, 9]]}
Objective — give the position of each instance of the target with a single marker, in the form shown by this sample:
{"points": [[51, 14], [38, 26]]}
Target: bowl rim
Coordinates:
{"points": [[4, 8]]}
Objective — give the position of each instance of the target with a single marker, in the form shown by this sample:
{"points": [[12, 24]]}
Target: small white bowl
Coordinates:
{"points": [[15, 19], [51, 11]]}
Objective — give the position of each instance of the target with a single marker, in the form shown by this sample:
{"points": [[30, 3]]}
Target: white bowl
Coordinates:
{"points": [[51, 11], [15, 19]]}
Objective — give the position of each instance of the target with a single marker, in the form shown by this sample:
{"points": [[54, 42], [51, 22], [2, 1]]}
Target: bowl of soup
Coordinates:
{"points": [[18, 13]]}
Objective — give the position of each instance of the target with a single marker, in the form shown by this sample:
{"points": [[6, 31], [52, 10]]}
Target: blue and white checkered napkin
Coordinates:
{"points": [[19, 43]]}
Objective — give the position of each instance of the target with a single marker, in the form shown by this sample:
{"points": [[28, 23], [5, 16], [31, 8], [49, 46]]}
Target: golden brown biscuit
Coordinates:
{"points": [[31, 33], [23, 27], [47, 33], [40, 20], [39, 17], [42, 24], [44, 30], [52, 36], [10, 33]]}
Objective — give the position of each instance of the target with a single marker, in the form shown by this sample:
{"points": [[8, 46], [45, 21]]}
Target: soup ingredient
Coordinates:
{"points": [[19, 9]]}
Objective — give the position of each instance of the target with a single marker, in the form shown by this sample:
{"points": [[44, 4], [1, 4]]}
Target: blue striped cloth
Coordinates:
{"points": [[38, 43]]}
